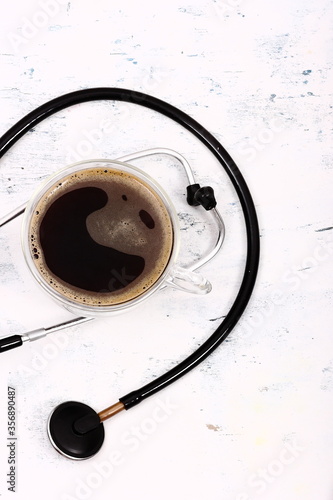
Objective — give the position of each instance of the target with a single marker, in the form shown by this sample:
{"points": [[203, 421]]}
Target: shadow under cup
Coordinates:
{"points": [[100, 236]]}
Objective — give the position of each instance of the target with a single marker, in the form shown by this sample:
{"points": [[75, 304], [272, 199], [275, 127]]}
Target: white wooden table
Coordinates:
{"points": [[254, 421]]}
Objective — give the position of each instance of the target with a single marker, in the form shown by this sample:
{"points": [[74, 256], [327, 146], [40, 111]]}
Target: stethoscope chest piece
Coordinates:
{"points": [[75, 430]]}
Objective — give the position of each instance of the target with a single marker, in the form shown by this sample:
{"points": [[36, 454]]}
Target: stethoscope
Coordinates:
{"points": [[75, 429]]}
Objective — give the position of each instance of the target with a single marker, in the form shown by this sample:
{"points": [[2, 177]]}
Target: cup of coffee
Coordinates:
{"points": [[101, 236]]}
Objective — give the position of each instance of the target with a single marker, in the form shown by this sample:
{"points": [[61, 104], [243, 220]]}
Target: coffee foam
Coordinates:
{"points": [[111, 228]]}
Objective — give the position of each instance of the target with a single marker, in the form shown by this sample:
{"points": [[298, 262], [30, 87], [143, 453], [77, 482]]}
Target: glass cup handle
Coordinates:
{"points": [[188, 281]]}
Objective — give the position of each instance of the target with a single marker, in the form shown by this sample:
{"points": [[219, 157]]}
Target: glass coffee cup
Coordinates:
{"points": [[101, 236]]}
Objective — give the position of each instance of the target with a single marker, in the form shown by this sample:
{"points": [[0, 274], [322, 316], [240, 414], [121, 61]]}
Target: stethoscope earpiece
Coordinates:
{"points": [[75, 430]]}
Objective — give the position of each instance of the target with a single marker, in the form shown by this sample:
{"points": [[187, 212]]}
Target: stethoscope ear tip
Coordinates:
{"points": [[75, 430]]}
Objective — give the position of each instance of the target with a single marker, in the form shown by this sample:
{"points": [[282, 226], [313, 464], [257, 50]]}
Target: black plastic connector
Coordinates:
{"points": [[205, 197]]}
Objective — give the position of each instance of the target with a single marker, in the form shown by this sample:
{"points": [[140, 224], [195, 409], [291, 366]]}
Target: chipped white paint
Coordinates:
{"points": [[254, 420]]}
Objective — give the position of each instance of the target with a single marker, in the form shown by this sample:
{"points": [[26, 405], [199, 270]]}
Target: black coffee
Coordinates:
{"points": [[101, 237]]}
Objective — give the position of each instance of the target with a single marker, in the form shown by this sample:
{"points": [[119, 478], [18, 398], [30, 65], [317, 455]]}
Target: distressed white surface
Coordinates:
{"points": [[255, 419]]}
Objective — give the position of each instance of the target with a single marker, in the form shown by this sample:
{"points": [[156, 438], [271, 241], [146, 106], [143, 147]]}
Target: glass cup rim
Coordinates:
{"points": [[42, 189]]}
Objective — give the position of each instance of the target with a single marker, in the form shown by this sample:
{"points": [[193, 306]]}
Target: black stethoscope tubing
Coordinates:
{"points": [[245, 198]]}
